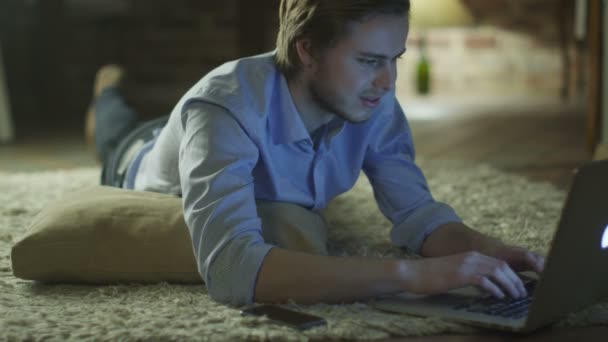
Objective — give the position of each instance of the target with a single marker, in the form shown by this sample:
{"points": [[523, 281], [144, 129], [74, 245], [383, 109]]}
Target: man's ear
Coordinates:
{"points": [[304, 49]]}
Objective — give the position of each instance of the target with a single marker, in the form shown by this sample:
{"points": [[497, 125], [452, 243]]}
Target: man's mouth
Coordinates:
{"points": [[371, 102]]}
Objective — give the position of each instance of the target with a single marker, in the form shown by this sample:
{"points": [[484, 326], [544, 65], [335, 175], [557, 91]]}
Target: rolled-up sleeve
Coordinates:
{"points": [[399, 185], [216, 159]]}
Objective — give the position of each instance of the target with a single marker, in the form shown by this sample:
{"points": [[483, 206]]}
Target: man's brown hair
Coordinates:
{"points": [[324, 22]]}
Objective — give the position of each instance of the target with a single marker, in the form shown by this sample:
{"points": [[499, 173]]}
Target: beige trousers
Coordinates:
{"points": [[293, 227]]}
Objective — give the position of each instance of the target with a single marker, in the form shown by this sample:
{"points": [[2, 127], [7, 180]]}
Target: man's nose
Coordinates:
{"points": [[386, 76]]}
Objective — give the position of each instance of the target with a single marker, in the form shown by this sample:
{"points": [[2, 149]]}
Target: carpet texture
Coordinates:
{"points": [[506, 206]]}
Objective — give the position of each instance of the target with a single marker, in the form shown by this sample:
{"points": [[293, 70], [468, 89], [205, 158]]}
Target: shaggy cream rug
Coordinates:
{"points": [[506, 206]]}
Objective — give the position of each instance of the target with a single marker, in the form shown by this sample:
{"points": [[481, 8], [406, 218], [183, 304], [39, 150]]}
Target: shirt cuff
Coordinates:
{"points": [[412, 232], [233, 274]]}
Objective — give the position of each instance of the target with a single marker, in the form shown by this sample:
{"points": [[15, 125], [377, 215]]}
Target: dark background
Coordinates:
{"points": [[52, 48]]}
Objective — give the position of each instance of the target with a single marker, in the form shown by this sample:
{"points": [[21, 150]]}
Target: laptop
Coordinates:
{"points": [[574, 276]]}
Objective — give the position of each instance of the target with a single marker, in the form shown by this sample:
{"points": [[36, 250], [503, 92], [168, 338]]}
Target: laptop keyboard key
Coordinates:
{"points": [[508, 307]]}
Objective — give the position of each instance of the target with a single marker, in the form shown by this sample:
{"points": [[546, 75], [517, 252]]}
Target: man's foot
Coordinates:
{"points": [[110, 75]]}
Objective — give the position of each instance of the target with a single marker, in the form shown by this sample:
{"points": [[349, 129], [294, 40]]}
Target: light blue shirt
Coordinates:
{"points": [[237, 136]]}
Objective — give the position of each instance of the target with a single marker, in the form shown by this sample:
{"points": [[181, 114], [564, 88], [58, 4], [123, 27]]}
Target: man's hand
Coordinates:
{"points": [[520, 259], [441, 274], [458, 256], [455, 238]]}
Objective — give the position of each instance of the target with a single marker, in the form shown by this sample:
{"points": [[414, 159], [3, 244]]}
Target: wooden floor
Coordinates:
{"points": [[543, 142], [46, 151]]}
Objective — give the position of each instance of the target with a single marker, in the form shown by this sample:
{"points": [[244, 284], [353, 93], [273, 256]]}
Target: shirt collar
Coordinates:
{"points": [[285, 122]]}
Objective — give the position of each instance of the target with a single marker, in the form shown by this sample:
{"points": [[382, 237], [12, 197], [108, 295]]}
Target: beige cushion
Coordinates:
{"points": [[107, 235]]}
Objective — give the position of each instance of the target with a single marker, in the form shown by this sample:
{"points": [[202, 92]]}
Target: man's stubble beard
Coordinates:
{"points": [[323, 97]]}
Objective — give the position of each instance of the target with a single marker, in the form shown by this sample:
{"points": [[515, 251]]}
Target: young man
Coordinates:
{"points": [[261, 144]]}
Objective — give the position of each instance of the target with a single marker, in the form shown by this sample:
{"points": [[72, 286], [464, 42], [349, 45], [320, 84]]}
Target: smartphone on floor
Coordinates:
{"points": [[298, 320]]}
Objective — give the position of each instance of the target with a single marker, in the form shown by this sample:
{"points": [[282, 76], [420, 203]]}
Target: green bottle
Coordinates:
{"points": [[423, 71]]}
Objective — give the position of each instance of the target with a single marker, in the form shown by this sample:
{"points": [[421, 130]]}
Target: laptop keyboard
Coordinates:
{"points": [[507, 307]]}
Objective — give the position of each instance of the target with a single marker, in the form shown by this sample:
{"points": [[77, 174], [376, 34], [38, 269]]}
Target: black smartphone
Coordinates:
{"points": [[298, 320]]}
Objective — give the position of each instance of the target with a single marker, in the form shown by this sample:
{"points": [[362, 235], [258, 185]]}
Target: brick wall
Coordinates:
{"points": [[488, 61], [516, 48]]}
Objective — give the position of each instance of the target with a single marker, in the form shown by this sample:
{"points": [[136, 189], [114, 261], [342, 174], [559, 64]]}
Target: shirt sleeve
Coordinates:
{"points": [[216, 159], [400, 187]]}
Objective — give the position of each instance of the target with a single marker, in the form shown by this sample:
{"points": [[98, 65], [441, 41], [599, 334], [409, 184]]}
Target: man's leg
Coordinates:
{"points": [[109, 118], [293, 227]]}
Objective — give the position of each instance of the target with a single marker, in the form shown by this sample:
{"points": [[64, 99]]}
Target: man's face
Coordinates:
{"points": [[352, 78]]}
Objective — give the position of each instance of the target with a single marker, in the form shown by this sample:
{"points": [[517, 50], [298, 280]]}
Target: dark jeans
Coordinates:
{"points": [[114, 120], [117, 132]]}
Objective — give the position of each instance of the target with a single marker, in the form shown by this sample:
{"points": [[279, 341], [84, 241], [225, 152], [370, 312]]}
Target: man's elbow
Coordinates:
{"points": [[225, 292]]}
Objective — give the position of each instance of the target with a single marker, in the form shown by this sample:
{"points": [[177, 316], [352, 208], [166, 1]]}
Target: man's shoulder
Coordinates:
{"points": [[244, 87], [247, 77], [250, 69]]}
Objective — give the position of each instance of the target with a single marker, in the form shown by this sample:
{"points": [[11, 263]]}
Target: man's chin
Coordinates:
{"points": [[363, 115], [358, 118]]}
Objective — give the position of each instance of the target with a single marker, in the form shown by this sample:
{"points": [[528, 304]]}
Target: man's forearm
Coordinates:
{"points": [[453, 238], [308, 278]]}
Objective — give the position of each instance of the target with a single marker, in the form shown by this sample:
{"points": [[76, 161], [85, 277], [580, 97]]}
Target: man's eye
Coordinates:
{"points": [[369, 61]]}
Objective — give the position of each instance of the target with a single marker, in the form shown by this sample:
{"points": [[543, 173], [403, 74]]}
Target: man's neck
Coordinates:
{"points": [[312, 116]]}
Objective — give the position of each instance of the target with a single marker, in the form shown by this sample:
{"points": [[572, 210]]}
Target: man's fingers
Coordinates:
{"points": [[498, 276], [487, 285], [519, 284], [531, 261], [503, 275], [539, 262]]}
